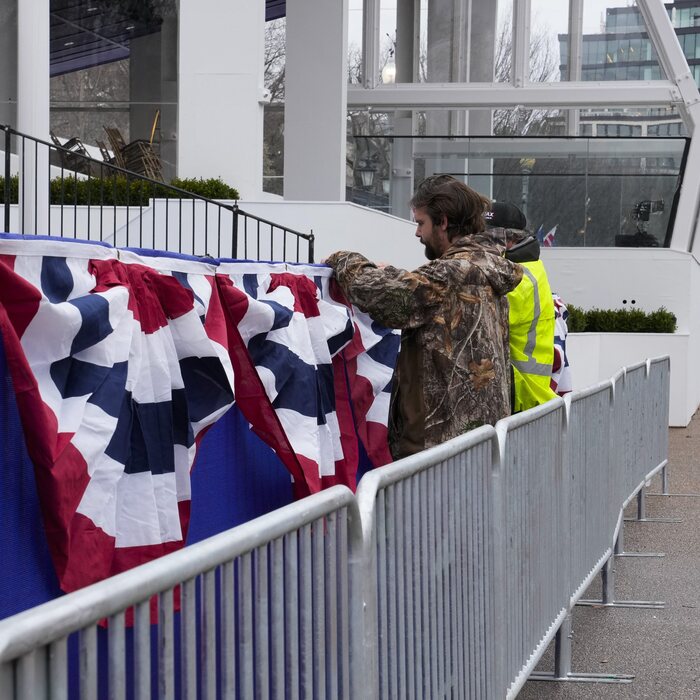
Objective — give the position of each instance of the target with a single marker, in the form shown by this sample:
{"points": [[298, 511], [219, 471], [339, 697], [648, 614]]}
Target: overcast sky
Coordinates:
{"points": [[553, 13]]}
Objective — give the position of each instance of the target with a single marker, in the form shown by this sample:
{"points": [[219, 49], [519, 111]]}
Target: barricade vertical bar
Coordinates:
{"points": [[349, 609], [434, 580], [399, 554], [392, 639], [316, 610], [228, 632], [424, 577], [88, 662], [490, 613], [188, 639], [7, 678], [291, 611], [306, 657], [408, 607], [380, 556], [245, 626], [142, 650], [466, 584], [262, 624], [415, 576], [208, 638], [277, 620], [443, 591], [452, 581], [166, 661], [497, 527], [330, 604], [358, 673], [58, 670], [31, 675], [117, 657]]}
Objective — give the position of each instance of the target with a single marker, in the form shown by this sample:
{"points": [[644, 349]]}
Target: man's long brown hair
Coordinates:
{"points": [[463, 207]]}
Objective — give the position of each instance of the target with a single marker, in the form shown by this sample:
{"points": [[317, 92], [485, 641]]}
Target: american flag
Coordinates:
{"points": [[548, 240], [561, 382], [121, 361]]}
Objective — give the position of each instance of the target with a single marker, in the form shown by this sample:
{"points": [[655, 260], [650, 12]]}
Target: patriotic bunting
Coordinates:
{"points": [[121, 361]]}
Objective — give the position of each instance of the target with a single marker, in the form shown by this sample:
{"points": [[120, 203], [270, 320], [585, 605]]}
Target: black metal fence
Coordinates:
{"points": [[57, 190]]}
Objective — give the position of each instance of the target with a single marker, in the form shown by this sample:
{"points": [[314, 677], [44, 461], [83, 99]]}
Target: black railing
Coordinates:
{"points": [[56, 191]]}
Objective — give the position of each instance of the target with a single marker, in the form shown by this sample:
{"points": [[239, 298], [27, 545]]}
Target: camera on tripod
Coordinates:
{"points": [[641, 212], [644, 209]]}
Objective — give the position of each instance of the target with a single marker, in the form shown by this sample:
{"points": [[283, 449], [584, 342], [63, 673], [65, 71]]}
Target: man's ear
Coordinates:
{"points": [[443, 223]]}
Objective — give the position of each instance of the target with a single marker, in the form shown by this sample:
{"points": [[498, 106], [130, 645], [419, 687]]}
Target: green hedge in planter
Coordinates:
{"points": [[117, 191], [621, 321]]}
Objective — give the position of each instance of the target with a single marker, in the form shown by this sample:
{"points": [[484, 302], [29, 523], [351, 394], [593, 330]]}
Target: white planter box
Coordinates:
{"points": [[595, 357]]}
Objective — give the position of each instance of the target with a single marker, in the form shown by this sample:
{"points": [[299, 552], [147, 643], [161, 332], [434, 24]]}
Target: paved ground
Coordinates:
{"points": [[660, 648]]}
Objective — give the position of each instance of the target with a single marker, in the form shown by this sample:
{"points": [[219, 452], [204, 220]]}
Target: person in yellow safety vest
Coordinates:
{"points": [[531, 309]]}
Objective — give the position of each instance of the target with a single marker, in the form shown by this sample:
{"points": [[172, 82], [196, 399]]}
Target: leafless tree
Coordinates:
{"points": [[544, 67], [273, 153]]}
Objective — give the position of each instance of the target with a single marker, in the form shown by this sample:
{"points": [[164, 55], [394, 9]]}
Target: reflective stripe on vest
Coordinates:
{"points": [[531, 366]]}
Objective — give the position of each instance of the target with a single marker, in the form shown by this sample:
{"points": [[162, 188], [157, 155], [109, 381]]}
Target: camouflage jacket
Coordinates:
{"points": [[452, 373]]}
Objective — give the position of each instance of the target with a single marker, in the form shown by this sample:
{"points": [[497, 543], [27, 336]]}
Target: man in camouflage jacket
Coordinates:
{"points": [[453, 371]]}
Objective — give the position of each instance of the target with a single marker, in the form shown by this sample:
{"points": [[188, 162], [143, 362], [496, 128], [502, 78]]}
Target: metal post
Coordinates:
{"points": [[234, 232], [562, 649], [608, 580], [8, 148], [620, 541], [311, 246], [641, 504]]}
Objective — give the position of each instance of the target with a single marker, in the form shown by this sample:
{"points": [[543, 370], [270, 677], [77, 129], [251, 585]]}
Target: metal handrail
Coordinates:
{"points": [[201, 226]]}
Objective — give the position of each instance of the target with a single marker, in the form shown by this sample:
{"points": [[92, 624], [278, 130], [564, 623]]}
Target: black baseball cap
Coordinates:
{"points": [[505, 215]]}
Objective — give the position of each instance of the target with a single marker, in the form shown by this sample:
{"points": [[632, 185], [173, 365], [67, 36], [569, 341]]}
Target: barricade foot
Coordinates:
{"points": [[653, 520], [581, 677], [657, 604], [640, 554], [675, 495]]}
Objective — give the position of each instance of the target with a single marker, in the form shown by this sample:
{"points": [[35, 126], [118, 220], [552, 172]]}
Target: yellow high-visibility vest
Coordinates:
{"points": [[531, 321]]}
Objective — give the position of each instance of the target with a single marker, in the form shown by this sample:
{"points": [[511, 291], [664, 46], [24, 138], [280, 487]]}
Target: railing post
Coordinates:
{"points": [[8, 148], [234, 232], [311, 246]]}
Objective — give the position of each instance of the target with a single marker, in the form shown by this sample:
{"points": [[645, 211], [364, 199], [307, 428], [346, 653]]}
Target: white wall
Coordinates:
{"points": [[595, 357], [606, 277]]}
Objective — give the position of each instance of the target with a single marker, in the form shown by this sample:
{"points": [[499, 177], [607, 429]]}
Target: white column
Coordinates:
{"points": [[8, 57], [220, 119], [33, 91], [316, 100], [575, 59]]}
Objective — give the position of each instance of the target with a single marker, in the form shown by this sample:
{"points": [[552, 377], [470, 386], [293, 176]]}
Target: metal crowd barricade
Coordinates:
{"points": [[645, 447], [264, 612], [431, 545], [535, 518], [593, 507], [658, 376], [447, 575]]}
